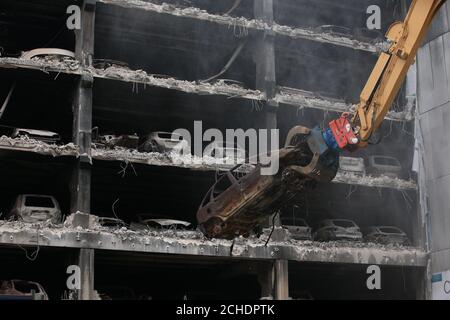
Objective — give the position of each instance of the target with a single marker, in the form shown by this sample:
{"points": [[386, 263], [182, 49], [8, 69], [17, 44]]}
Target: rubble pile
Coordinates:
{"points": [[141, 76], [372, 181], [40, 147]]}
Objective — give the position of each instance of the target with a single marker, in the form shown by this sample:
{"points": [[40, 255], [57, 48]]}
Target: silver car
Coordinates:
{"points": [[33, 208], [40, 135], [386, 235], [152, 221], [384, 165], [300, 230], [163, 142], [352, 165], [337, 229]]}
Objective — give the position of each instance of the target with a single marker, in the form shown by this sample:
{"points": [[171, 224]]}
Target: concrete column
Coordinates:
{"points": [[84, 47], [281, 279], [86, 264], [264, 56], [82, 112], [82, 136], [82, 128]]}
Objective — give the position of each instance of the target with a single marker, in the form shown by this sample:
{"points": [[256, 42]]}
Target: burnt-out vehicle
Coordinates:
{"points": [[337, 229], [299, 230], [21, 290], [152, 221], [240, 201], [163, 142], [110, 141], [40, 135], [386, 235], [108, 63], [384, 165], [352, 165], [111, 222], [33, 208]]}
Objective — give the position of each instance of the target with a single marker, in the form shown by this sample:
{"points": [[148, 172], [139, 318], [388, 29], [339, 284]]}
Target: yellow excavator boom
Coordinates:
{"points": [[388, 75]]}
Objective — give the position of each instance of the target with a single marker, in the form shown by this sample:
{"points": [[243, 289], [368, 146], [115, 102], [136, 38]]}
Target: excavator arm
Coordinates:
{"points": [[386, 78], [312, 156]]}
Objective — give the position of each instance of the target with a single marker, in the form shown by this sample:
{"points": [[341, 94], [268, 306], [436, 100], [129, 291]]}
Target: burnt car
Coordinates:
{"points": [[299, 230], [337, 229], [33, 208], [386, 235], [21, 290], [224, 150], [108, 63], [40, 135], [237, 203], [111, 222], [352, 165], [152, 221], [48, 52], [111, 141], [163, 142], [384, 165]]}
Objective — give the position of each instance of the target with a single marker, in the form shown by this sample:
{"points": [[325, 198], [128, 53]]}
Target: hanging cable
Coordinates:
{"points": [[8, 97], [229, 63], [273, 228], [235, 5]]}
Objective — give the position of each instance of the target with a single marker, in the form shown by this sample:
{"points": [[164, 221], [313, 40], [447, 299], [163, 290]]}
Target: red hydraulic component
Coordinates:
{"points": [[343, 131]]}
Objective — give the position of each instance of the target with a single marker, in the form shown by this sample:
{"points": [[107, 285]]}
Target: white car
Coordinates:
{"points": [[33, 208], [163, 142], [352, 165], [384, 165], [41, 135]]}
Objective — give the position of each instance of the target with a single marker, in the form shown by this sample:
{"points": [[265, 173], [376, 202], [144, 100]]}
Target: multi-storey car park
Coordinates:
{"points": [[285, 69]]}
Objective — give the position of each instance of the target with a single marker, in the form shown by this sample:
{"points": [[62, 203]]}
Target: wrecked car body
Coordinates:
{"points": [[21, 290], [40, 135], [235, 205], [47, 52], [151, 221], [386, 235], [300, 230], [111, 222], [163, 142], [337, 229], [108, 63], [352, 165], [111, 141], [225, 212], [384, 165], [32, 208]]}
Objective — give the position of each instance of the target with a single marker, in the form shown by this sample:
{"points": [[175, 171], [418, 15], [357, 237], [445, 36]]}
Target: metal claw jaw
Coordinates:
{"points": [[324, 159]]}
